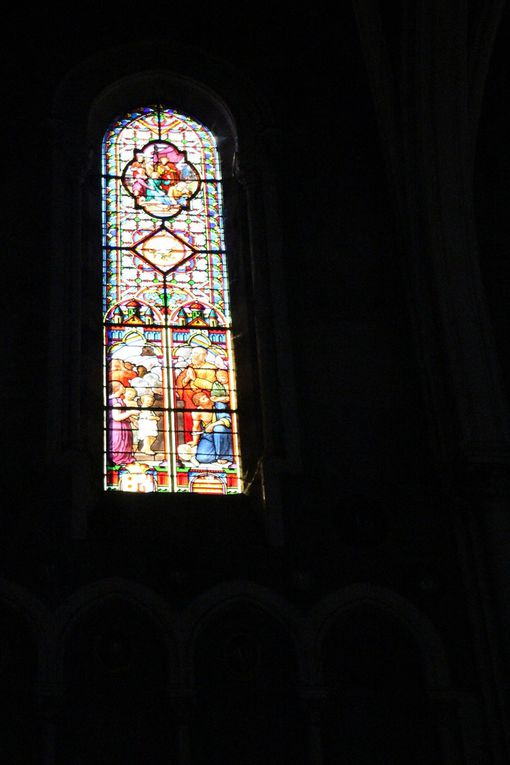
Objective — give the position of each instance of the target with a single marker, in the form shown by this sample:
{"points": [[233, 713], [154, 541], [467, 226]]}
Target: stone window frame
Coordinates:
{"points": [[88, 100]]}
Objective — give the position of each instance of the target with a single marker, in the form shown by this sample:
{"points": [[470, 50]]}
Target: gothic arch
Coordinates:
{"points": [[382, 599], [40, 623], [204, 609], [141, 599]]}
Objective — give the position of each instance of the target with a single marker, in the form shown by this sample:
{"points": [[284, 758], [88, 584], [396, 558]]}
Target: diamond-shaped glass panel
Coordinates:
{"points": [[164, 250]]}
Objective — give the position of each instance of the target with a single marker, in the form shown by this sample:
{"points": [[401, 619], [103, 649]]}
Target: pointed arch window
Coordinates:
{"points": [[170, 398]]}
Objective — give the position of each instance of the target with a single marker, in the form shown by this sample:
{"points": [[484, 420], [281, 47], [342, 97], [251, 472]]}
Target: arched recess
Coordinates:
{"points": [[118, 659], [386, 678], [212, 603], [151, 607], [26, 677], [40, 623], [423, 632], [89, 99], [245, 679]]}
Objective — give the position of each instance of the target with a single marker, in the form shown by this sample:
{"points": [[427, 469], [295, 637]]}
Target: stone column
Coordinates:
{"points": [[67, 445], [50, 704], [482, 495], [428, 107], [265, 324], [313, 701], [445, 717], [182, 704]]}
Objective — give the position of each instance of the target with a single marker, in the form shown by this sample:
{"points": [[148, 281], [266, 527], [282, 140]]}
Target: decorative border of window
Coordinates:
{"points": [[169, 372]]}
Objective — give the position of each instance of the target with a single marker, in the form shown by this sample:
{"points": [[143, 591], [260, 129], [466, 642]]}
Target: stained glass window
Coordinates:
{"points": [[169, 373]]}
